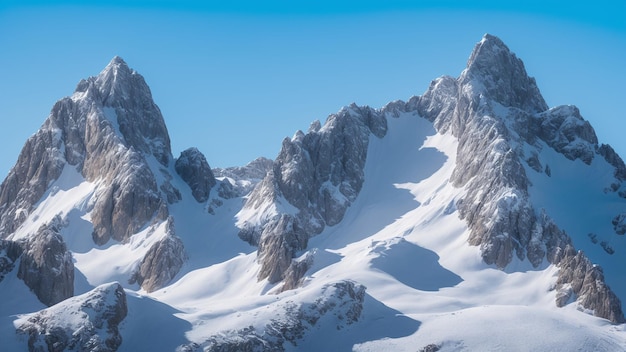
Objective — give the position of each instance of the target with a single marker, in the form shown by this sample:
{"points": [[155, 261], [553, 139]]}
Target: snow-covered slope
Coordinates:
{"points": [[449, 222]]}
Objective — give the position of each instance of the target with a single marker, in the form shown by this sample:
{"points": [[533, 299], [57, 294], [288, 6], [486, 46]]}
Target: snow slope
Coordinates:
{"points": [[403, 240]]}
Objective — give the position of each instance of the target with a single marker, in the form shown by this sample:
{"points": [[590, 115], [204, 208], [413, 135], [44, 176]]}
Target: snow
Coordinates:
{"points": [[68, 197], [401, 238], [576, 196]]}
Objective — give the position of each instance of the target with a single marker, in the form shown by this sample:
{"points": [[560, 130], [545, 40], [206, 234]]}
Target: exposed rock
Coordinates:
{"points": [[162, 261], [46, 266], [619, 224], [568, 133], [9, 252], [502, 76], [320, 174], [343, 300], [193, 168], [430, 348], [612, 158], [126, 205], [493, 108], [40, 163], [593, 237], [578, 276], [295, 272], [107, 130], [607, 247], [280, 238], [254, 170], [88, 322]]}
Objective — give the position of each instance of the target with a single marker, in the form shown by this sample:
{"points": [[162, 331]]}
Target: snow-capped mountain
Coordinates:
{"points": [[472, 217]]}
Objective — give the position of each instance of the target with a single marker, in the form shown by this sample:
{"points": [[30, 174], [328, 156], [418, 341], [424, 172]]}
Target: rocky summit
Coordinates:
{"points": [[468, 217]]}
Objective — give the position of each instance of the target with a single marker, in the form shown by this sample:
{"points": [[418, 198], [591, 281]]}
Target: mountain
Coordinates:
{"points": [[468, 218]]}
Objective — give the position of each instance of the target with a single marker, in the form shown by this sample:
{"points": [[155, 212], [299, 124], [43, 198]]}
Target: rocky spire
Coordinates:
{"points": [[109, 130], [497, 72], [490, 165], [139, 119]]}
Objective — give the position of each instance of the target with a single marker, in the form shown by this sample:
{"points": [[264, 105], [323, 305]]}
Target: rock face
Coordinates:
{"points": [[195, 171], [580, 279], [254, 170], [341, 301], [319, 174], [162, 262], [494, 109], [9, 252], [88, 322], [46, 266], [113, 134], [106, 130]]}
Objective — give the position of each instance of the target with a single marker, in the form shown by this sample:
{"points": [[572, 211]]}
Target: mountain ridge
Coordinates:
{"points": [[402, 216]]}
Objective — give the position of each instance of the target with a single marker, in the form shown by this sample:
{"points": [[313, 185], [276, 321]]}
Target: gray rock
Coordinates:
{"points": [[619, 223], [568, 133], [46, 266], [112, 132], [254, 170], [612, 158], [492, 108], [295, 272], [40, 163], [193, 168], [495, 70], [9, 252], [106, 130], [578, 276], [162, 261], [127, 204], [343, 300], [95, 317], [319, 173]]}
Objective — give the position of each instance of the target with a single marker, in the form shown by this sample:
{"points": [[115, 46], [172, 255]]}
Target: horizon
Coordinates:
{"points": [[233, 82]]}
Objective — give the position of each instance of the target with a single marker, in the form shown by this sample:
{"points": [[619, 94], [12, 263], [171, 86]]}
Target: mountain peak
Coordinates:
{"points": [[116, 64], [499, 74], [125, 99]]}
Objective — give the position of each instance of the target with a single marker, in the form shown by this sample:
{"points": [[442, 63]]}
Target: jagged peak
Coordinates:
{"points": [[495, 71], [116, 66], [490, 50]]}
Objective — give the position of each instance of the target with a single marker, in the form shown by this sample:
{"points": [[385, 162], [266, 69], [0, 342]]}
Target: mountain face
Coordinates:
{"points": [[472, 209]]}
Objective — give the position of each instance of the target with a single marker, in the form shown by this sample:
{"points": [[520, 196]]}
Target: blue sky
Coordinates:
{"points": [[235, 78]]}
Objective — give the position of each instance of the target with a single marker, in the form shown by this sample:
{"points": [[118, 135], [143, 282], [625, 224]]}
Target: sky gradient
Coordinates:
{"points": [[234, 78]]}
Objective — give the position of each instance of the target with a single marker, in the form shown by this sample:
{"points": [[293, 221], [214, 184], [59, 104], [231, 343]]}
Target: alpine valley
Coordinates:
{"points": [[471, 218]]}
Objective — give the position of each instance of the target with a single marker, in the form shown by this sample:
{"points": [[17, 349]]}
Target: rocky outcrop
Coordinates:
{"points": [[193, 168], [319, 174], [9, 252], [494, 108], [239, 181], [106, 130], [88, 322], [619, 223], [46, 266], [295, 272], [563, 129], [127, 204], [112, 133], [40, 163], [580, 280], [341, 300], [162, 261], [254, 170]]}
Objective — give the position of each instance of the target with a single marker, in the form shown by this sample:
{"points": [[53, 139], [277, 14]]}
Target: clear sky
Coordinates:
{"points": [[233, 78]]}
